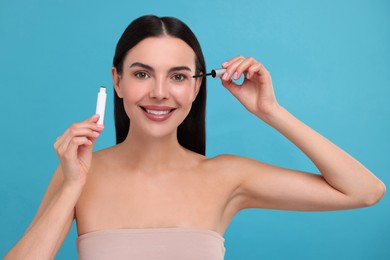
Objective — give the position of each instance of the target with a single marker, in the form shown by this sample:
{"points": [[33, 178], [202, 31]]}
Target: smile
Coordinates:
{"points": [[157, 113]]}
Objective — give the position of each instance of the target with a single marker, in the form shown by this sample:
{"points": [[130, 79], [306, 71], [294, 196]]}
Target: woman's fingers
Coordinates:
{"points": [[87, 129], [231, 67], [256, 91], [73, 146], [253, 69], [239, 65], [245, 66], [228, 62], [249, 66], [76, 131], [88, 123]]}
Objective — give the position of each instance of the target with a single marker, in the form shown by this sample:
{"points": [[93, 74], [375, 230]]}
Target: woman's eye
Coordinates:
{"points": [[179, 77], [141, 75]]}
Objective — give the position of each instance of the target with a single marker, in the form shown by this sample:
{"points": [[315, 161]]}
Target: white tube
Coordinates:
{"points": [[101, 105], [217, 73]]}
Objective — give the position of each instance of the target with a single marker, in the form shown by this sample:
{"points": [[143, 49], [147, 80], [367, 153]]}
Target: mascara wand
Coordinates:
{"points": [[217, 73]]}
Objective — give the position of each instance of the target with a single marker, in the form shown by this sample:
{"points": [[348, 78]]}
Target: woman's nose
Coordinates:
{"points": [[160, 90]]}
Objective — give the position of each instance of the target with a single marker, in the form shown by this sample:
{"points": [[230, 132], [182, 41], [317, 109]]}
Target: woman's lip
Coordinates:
{"points": [[157, 113], [157, 108]]}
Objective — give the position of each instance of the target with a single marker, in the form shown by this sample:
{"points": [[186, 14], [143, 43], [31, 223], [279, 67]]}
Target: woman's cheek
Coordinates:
{"points": [[184, 94], [134, 92]]}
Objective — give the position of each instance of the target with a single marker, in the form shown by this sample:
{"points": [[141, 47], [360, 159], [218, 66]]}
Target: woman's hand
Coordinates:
{"points": [[74, 150], [256, 92]]}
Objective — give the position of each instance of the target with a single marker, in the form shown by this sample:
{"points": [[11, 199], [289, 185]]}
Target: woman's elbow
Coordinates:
{"points": [[375, 195]]}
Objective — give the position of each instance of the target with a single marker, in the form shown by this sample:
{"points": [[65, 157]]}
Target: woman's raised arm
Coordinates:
{"points": [[343, 183]]}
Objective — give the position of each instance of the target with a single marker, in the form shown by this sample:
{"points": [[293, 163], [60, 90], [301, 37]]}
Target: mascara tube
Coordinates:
{"points": [[217, 73], [101, 104]]}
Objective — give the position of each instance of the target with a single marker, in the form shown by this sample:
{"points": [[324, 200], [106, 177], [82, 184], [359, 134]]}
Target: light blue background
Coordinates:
{"points": [[330, 63]]}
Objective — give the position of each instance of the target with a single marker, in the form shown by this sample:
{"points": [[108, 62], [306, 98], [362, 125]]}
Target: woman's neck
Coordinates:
{"points": [[152, 154]]}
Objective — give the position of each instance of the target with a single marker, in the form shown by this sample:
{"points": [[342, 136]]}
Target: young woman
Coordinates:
{"points": [[155, 195]]}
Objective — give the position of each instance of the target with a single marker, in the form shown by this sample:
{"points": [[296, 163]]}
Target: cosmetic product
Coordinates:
{"points": [[216, 73], [101, 104]]}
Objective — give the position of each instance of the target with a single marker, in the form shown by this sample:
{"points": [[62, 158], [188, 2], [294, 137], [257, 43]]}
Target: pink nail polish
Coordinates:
{"points": [[225, 76]]}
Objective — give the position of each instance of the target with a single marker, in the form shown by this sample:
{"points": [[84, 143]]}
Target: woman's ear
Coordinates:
{"points": [[116, 78], [198, 83]]}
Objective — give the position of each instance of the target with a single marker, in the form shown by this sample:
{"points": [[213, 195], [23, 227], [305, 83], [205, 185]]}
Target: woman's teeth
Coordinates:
{"points": [[157, 112]]}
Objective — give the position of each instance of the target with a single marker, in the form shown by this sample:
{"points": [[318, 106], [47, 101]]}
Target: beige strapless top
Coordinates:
{"points": [[151, 244]]}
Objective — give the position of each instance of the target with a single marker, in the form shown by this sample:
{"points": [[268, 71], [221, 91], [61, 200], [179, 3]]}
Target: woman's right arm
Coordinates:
{"points": [[54, 218]]}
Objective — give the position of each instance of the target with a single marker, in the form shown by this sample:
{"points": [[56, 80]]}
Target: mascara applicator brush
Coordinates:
{"points": [[216, 73]]}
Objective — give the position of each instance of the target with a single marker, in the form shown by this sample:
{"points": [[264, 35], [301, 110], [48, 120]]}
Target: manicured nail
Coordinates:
{"points": [[236, 75], [225, 76], [224, 64]]}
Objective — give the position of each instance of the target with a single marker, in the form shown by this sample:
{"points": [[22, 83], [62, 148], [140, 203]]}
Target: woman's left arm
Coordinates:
{"points": [[340, 172]]}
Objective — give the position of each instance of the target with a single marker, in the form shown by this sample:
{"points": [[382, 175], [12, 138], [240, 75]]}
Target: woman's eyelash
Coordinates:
{"points": [[179, 77], [145, 75], [141, 75]]}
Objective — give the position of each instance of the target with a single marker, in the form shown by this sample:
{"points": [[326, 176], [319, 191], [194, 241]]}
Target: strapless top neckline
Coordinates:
{"points": [[151, 230]]}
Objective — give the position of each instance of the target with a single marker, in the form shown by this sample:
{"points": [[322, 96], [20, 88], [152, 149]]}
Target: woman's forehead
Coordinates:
{"points": [[162, 50]]}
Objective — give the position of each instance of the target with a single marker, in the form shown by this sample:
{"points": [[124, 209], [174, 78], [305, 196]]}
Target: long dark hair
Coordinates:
{"points": [[191, 133]]}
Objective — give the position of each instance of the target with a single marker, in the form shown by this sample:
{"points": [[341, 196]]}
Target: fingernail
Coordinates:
{"points": [[248, 75], [100, 126], [225, 76], [224, 64], [236, 75]]}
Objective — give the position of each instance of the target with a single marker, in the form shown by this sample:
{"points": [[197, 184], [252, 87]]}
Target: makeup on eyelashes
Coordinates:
{"points": [[101, 104], [215, 73]]}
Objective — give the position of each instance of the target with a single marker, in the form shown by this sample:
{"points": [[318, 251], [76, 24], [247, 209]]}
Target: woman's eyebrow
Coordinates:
{"points": [[179, 68], [139, 64], [148, 67]]}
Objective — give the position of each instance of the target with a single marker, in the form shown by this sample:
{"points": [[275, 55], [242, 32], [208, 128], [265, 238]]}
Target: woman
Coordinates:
{"points": [[155, 194]]}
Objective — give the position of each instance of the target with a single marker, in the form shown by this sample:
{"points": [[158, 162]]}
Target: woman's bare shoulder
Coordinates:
{"points": [[227, 165], [235, 167], [100, 154], [229, 161], [105, 157], [221, 162]]}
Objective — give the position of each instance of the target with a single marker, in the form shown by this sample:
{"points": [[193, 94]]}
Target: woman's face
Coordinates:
{"points": [[156, 84]]}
